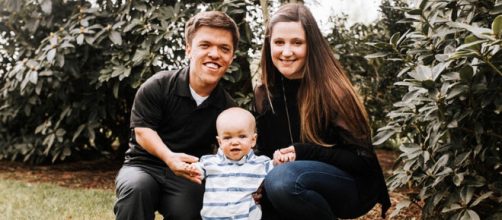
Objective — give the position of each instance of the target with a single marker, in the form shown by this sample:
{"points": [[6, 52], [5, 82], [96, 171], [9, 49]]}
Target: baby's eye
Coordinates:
{"points": [[242, 136]]}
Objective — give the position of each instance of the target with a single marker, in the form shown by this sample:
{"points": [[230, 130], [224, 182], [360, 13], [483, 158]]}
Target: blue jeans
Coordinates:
{"points": [[311, 190]]}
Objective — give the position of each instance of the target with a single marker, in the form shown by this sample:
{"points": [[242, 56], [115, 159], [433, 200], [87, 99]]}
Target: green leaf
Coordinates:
{"points": [[402, 204], [77, 133], [383, 136], [456, 91], [458, 179], [481, 198], [497, 27], [116, 90], [115, 37], [421, 73], [48, 141], [497, 9], [51, 54], [33, 77], [479, 32], [470, 215], [466, 194], [80, 39], [395, 38], [415, 12], [46, 6], [376, 55], [451, 207]]}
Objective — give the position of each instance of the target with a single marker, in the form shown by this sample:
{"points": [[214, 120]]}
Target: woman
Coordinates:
{"points": [[311, 119]]}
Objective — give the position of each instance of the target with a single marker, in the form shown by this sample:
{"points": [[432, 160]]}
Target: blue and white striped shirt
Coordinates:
{"points": [[229, 185]]}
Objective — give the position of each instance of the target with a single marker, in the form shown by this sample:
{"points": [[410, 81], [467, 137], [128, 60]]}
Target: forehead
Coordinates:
{"points": [[213, 35], [235, 121], [288, 30]]}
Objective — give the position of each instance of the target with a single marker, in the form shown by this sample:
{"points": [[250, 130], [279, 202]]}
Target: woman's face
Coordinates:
{"points": [[288, 47]]}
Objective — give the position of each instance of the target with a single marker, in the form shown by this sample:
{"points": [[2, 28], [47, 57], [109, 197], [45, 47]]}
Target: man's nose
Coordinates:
{"points": [[213, 52]]}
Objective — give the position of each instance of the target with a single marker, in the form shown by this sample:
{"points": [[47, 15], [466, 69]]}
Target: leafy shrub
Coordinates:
{"points": [[71, 70], [449, 120]]}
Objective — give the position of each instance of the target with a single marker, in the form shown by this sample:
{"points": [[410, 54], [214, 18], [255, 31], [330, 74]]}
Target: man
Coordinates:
{"points": [[173, 123]]}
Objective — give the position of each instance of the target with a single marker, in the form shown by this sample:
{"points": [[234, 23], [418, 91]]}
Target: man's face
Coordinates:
{"points": [[211, 53]]}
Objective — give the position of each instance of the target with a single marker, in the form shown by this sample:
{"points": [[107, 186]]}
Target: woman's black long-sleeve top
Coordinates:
{"points": [[279, 128]]}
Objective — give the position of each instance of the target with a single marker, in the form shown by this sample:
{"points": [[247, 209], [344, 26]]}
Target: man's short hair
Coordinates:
{"points": [[214, 19]]}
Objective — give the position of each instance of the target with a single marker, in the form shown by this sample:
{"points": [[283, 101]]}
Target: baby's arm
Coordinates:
{"points": [[197, 170]]}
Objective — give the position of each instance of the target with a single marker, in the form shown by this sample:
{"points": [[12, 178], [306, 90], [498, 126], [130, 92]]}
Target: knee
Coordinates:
{"points": [[280, 181], [136, 186]]}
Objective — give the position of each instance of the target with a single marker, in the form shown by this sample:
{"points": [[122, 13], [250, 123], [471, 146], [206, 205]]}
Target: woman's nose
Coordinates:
{"points": [[286, 51]]}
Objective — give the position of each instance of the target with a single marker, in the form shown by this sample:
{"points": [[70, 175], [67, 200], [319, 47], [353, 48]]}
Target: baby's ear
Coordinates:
{"points": [[219, 140]]}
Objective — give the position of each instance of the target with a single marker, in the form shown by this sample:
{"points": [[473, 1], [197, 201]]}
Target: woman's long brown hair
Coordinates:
{"points": [[326, 94]]}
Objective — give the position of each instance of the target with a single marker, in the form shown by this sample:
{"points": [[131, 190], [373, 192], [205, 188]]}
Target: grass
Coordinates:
{"points": [[20, 200]]}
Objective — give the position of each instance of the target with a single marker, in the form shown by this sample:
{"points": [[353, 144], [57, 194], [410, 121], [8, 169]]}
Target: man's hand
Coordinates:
{"points": [[284, 155], [181, 165]]}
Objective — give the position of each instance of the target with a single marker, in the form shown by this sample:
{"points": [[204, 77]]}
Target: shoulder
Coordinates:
{"points": [[261, 159], [208, 158], [161, 78]]}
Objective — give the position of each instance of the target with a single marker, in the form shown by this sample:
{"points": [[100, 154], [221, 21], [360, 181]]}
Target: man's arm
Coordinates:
{"points": [[179, 163]]}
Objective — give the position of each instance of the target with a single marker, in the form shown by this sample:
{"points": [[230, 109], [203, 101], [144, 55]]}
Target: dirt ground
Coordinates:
{"points": [[100, 174]]}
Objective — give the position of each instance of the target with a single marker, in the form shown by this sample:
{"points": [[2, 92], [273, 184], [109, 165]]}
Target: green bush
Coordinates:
{"points": [[70, 70], [449, 121], [358, 49]]}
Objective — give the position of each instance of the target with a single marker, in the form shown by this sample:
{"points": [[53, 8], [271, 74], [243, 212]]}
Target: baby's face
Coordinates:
{"points": [[236, 138]]}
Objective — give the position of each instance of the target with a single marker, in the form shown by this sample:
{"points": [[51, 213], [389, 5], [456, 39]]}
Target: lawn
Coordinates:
{"points": [[21, 200], [85, 190]]}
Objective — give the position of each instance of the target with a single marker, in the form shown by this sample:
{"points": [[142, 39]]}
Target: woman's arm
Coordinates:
{"points": [[339, 156]]}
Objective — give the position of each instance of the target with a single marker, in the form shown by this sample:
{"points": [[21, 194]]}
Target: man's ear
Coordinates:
{"points": [[188, 50]]}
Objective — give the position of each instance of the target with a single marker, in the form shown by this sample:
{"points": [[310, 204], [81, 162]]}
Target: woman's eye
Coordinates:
{"points": [[278, 42]]}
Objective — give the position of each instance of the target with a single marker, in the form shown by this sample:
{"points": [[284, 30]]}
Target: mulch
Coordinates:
{"points": [[100, 174]]}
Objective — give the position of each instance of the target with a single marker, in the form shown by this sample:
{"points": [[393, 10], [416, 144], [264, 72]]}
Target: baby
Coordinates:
{"points": [[235, 172]]}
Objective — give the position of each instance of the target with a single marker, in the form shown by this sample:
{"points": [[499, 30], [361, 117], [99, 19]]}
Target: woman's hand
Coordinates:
{"points": [[284, 155]]}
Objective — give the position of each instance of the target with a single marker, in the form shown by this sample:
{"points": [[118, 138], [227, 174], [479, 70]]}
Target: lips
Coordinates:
{"points": [[287, 62], [235, 150], [212, 65]]}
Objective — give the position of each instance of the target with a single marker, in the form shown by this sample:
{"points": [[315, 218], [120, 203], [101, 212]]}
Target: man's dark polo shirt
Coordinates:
{"points": [[164, 104]]}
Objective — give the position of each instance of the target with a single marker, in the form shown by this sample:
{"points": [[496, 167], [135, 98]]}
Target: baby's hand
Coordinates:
{"points": [[284, 155], [194, 172]]}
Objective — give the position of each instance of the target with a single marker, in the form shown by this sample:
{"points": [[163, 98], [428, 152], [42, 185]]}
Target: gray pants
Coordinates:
{"points": [[143, 189]]}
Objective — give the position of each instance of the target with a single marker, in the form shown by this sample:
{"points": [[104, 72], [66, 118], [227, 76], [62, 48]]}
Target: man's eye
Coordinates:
{"points": [[204, 46], [225, 49]]}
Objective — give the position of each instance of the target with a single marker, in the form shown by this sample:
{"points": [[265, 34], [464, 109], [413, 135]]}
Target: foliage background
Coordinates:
{"points": [[429, 75]]}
